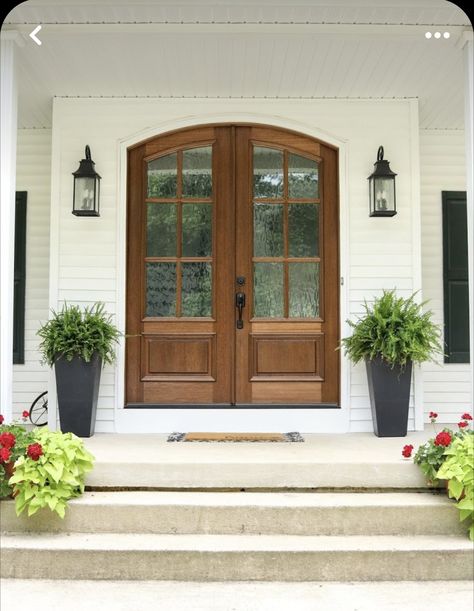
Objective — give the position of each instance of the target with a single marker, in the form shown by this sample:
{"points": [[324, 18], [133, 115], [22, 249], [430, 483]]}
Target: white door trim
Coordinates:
{"points": [[228, 419]]}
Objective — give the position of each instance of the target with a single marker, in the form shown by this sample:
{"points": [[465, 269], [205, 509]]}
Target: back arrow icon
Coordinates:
{"points": [[33, 35]]}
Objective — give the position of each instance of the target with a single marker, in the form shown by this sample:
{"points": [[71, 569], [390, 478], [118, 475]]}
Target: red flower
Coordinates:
{"points": [[432, 416], [407, 450], [466, 417], [25, 414], [4, 454], [34, 451], [443, 439], [462, 424], [7, 440], [1, 419]]}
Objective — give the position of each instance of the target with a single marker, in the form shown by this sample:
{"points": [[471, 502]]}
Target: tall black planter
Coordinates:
{"points": [[77, 383], [389, 391]]}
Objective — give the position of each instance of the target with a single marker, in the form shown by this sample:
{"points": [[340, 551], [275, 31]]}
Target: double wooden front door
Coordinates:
{"points": [[232, 269]]}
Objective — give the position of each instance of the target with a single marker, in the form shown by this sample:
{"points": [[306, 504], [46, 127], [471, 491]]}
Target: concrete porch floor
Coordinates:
{"points": [[352, 460]]}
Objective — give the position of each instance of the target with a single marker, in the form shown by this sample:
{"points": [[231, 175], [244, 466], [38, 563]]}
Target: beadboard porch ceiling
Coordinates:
{"points": [[236, 48]]}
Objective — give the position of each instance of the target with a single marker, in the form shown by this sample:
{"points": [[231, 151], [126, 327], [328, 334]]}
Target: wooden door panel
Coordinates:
{"points": [[275, 393], [286, 357], [178, 358]]}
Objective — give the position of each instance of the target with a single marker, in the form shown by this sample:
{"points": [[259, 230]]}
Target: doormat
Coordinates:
{"points": [[237, 437]]}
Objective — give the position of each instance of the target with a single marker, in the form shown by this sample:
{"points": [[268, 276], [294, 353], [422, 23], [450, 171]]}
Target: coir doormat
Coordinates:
{"points": [[237, 437]]}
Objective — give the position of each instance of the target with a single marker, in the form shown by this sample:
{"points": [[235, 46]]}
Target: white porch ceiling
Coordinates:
{"points": [[233, 49]]}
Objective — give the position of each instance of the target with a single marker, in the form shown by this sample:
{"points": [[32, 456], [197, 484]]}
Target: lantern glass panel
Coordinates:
{"points": [[84, 194], [384, 194]]}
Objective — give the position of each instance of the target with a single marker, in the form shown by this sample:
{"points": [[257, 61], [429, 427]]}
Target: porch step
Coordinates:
{"points": [[356, 460], [236, 557], [45, 595], [230, 513]]}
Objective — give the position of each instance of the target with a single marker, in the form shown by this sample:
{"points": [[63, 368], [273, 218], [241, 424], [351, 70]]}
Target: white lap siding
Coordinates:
{"points": [[446, 385]]}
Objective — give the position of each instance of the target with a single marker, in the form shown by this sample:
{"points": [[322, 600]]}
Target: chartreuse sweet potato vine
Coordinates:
{"points": [[57, 474], [458, 468]]}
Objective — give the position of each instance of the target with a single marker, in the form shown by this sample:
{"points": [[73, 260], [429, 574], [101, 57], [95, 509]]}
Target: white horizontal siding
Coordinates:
{"points": [[34, 176], [442, 155]]}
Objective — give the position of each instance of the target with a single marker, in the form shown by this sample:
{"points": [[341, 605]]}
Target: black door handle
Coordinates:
{"points": [[240, 304]]}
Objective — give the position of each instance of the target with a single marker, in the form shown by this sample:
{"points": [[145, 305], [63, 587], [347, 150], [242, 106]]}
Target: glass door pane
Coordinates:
{"points": [[286, 234], [179, 250]]}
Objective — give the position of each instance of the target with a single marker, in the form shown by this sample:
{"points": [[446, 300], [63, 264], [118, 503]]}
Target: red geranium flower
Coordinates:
{"points": [[34, 451], [432, 415], [407, 450], [7, 440], [462, 424], [466, 417], [1, 419], [4, 454], [25, 414], [443, 439]]}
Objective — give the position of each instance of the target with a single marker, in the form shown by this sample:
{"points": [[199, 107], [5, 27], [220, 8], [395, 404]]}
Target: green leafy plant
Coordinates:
{"points": [[431, 455], [395, 329], [458, 469], [449, 456], [75, 332], [51, 472]]}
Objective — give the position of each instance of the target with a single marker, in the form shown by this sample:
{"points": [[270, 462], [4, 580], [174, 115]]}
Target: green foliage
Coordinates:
{"points": [[57, 476], [395, 329], [73, 332], [5, 488], [458, 468], [429, 457]]}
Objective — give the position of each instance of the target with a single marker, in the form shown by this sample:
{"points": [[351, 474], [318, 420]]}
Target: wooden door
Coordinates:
{"points": [[223, 216]]}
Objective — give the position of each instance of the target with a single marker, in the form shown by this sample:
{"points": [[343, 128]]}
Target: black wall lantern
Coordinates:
{"points": [[86, 188], [382, 188]]}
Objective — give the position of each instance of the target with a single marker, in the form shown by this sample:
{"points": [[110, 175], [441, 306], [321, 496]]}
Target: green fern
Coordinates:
{"points": [[395, 329], [75, 332]]}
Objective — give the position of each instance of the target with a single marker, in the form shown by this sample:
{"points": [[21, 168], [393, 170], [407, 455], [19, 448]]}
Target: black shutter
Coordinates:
{"points": [[19, 279], [455, 277]]}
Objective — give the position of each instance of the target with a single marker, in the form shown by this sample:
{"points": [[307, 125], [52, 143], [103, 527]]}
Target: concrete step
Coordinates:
{"points": [[246, 513], [236, 557], [46, 595], [356, 460]]}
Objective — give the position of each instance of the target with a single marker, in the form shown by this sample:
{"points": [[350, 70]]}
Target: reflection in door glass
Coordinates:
{"points": [[268, 290], [162, 176], [303, 230], [197, 230], [161, 230], [268, 230], [302, 177], [161, 289], [196, 289], [197, 172], [267, 172], [304, 290]]}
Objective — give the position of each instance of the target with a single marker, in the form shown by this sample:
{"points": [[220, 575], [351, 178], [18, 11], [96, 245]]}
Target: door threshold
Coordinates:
{"points": [[232, 406]]}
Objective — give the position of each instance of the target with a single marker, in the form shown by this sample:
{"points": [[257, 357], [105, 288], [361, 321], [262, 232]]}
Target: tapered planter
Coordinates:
{"points": [[77, 384], [389, 391]]}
